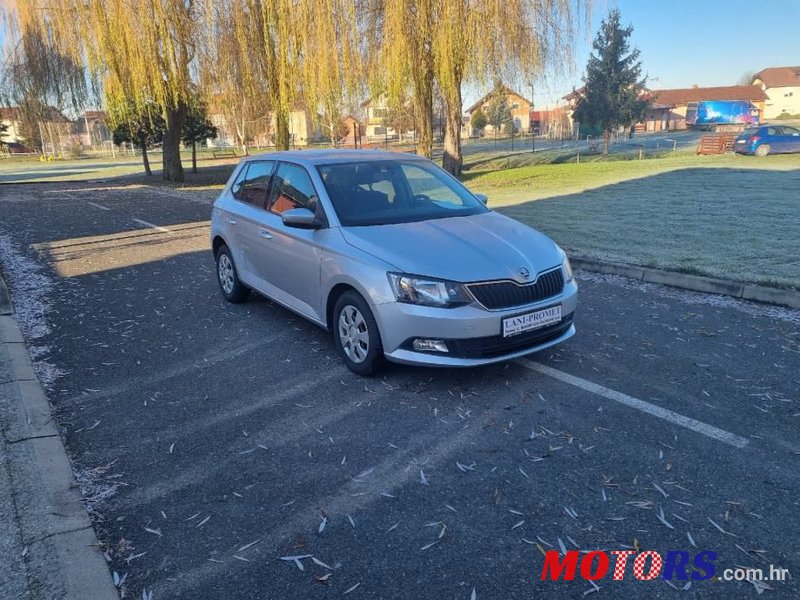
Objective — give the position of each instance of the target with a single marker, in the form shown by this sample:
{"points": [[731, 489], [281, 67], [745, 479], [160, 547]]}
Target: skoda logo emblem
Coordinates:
{"points": [[524, 273]]}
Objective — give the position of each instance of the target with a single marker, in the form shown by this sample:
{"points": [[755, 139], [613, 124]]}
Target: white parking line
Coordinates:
{"points": [[100, 206], [146, 224], [652, 409]]}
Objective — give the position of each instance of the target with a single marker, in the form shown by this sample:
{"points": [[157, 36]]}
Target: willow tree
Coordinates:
{"points": [[447, 42], [262, 56], [331, 64], [140, 52], [403, 33], [481, 40], [37, 77], [231, 67]]}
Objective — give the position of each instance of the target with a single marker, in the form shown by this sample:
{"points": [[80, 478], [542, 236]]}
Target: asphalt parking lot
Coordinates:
{"points": [[214, 441]]}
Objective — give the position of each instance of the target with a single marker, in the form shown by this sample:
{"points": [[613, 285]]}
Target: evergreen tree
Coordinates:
{"points": [[197, 128], [612, 94], [498, 111], [140, 127]]}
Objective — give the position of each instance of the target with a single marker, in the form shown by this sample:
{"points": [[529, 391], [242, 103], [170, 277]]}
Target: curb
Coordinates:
{"points": [[63, 558], [695, 283]]}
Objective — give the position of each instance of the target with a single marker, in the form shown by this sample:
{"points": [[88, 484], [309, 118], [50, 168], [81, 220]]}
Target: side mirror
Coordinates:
{"points": [[483, 198], [302, 218]]}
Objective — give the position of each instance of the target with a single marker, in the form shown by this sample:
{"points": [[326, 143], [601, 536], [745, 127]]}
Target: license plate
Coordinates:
{"points": [[530, 321]]}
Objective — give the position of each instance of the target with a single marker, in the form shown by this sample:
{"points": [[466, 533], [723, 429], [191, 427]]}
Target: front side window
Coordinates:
{"points": [[395, 191], [790, 130], [253, 181], [292, 188], [426, 185]]}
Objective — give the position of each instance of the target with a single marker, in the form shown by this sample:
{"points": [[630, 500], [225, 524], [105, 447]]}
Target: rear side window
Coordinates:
{"points": [[292, 188], [253, 182], [790, 130]]}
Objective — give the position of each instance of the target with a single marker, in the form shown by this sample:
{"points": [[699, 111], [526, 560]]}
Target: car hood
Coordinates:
{"points": [[475, 248]]}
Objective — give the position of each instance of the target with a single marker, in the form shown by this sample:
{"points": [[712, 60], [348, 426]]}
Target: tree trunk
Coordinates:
{"points": [[281, 130], [172, 167], [424, 106], [145, 160], [606, 141], [453, 160], [194, 156], [241, 135]]}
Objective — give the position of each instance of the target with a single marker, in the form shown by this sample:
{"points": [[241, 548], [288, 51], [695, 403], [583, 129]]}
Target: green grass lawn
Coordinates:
{"points": [[726, 216], [31, 170]]}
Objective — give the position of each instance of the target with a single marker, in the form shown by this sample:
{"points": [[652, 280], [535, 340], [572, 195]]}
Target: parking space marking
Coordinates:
{"points": [[159, 228], [100, 206], [652, 409]]}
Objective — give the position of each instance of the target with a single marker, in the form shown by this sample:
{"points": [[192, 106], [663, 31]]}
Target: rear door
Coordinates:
{"points": [[249, 193]]}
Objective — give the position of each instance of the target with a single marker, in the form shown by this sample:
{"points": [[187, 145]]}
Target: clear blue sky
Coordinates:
{"points": [[683, 42]]}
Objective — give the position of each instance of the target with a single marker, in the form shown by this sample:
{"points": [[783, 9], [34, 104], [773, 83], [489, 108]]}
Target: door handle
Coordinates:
{"points": [[231, 221], [265, 234]]}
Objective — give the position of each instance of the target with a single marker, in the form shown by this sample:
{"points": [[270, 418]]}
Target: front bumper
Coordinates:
{"points": [[472, 333]]}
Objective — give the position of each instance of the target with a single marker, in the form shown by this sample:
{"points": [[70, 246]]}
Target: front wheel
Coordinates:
{"points": [[762, 150], [356, 334], [233, 290]]}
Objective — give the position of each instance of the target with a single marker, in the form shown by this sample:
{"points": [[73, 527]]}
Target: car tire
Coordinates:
{"points": [[762, 150], [233, 290], [356, 334]]}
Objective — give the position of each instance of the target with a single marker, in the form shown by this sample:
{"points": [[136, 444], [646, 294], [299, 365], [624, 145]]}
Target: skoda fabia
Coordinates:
{"points": [[392, 255]]}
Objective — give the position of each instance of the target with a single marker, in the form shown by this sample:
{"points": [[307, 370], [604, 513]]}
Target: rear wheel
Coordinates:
{"points": [[762, 150], [233, 290], [356, 334]]}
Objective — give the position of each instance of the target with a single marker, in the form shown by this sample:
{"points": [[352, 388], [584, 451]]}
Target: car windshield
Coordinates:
{"points": [[750, 131], [387, 192]]}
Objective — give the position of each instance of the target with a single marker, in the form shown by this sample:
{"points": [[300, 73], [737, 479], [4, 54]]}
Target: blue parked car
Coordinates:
{"points": [[768, 139]]}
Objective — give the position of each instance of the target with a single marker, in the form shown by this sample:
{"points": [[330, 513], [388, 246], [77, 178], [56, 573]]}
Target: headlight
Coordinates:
{"points": [[566, 268], [428, 292]]}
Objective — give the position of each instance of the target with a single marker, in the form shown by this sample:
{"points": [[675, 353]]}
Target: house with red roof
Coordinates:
{"points": [[782, 87], [668, 108]]}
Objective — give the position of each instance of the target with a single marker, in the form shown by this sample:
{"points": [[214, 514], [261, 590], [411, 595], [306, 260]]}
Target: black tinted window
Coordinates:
{"points": [[292, 188], [252, 184]]}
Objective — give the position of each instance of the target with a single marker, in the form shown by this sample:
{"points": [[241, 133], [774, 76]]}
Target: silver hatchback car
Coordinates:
{"points": [[393, 255]]}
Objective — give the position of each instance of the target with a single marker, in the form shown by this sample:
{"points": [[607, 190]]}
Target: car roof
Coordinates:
{"points": [[326, 157]]}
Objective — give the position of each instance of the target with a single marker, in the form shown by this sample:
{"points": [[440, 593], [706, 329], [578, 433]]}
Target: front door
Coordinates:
{"points": [[792, 137], [291, 265]]}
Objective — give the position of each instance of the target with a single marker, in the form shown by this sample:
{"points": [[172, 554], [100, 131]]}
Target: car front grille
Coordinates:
{"points": [[508, 294], [497, 345]]}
